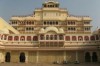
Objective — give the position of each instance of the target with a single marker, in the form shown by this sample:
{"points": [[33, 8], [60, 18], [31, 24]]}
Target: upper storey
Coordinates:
{"points": [[51, 11], [50, 4], [51, 15]]}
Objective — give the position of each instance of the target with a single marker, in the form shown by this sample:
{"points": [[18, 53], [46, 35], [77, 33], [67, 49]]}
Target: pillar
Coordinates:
{"points": [[2, 37], [90, 56], [26, 60], [37, 56], [2, 57], [64, 55], [76, 56]]}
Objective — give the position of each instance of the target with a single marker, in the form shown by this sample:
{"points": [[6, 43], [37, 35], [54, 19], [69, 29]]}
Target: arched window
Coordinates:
{"points": [[47, 37], [71, 23], [44, 5], [44, 23], [97, 37], [56, 23], [53, 23], [42, 37], [10, 38], [87, 57], [55, 37], [50, 23], [61, 37], [67, 38], [5, 37], [28, 38], [16, 38], [80, 38], [92, 38], [73, 38], [51, 37], [86, 38], [68, 23], [22, 38], [48, 5], [2, 37], [30, 23], [51, 6], [94, 57], [35, 38], [27, 23]]}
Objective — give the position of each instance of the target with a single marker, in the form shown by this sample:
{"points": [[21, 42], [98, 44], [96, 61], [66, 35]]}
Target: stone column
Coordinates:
{"points": [[2, 37], [76, 56], [64, 55], [90, 56], [2, 59], [26, 60], [37, 56]]}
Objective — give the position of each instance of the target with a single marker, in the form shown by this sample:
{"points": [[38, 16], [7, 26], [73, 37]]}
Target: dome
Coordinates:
{"points": [[42, 30], [51, 29], [61, 30]]}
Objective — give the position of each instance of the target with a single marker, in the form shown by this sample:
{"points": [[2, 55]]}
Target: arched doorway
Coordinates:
{"points": [[7, 57], [94, 57], [87, 57], [22, 57]]}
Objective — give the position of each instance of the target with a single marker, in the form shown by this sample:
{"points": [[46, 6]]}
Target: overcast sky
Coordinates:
{"points": [[90, 8]]}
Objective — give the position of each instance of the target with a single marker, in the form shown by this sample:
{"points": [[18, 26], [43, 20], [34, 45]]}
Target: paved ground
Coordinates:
{"points": [[30, 64]]}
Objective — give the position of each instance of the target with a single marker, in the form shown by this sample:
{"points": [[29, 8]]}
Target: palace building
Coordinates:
{"points": [[49, 35]]}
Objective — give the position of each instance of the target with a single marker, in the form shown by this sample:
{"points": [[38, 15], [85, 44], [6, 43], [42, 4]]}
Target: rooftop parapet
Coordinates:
{"points": [[59, 9], [79, 17], [21, 17]]}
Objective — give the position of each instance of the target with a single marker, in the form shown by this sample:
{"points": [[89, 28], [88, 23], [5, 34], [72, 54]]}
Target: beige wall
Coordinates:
{"points": [[32, 57], [70, 56], [81, 56], [2, 56], [50, 56], [46, 56], [14, 56]]}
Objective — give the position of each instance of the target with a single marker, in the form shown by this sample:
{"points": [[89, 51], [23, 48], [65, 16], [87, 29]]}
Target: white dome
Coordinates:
{"points": [[51, 29], [42, 30], [61, 30]]}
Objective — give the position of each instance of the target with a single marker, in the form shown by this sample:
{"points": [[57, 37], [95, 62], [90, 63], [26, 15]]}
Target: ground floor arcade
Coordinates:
{"points": [[49, 56]]}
